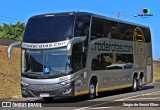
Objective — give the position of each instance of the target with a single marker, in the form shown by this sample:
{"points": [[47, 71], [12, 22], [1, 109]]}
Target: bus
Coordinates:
{"points": [[81, 53]]}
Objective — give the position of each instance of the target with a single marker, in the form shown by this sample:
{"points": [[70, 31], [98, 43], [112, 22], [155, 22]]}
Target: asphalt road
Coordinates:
{"points": [[147, 99]]}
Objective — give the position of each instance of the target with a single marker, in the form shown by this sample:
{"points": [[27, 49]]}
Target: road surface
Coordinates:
{"points": [[147, 99]]}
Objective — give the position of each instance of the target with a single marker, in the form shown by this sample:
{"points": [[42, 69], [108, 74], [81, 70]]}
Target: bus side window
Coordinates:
{"points": [[95, 63], [102, 61], [82, 26], [125, 32], [98, 28], [78, 57], [111, 29], [102, 28]]}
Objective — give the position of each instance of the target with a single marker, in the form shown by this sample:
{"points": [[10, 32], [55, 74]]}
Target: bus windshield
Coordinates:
{"points": [[57, 62], [46, 64], [49, 29]]}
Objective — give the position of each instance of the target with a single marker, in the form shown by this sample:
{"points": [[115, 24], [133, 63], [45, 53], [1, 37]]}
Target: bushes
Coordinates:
{"points": [[12, 31]]}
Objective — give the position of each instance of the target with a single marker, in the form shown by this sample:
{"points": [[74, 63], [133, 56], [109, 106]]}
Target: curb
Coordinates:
{"points": [[16, 97], [3, 98], [157, 80]]}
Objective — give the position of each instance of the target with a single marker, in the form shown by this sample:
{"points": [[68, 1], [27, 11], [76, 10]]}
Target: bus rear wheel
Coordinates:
{"points": [[139, 84], [134, 86], [48, 99]]}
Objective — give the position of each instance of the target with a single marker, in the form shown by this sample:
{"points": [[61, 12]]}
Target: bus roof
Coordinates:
{"points": [[87, 13]]}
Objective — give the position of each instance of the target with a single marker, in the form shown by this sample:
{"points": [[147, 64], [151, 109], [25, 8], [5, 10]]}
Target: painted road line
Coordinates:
{"points": [[145, 98], [83, 108], [153, 93], [98, 108], [116, 100], [127, 98], [135, 96]]}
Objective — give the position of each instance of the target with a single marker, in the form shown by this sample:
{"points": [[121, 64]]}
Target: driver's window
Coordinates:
{"points": [[78, 57]]}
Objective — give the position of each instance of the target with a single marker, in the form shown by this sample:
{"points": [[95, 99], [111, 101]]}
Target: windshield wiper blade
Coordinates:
{"points": [[61, 73]]}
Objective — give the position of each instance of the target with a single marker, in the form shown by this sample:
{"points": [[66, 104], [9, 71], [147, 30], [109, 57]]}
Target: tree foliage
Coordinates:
{"points": [[12, 31]]}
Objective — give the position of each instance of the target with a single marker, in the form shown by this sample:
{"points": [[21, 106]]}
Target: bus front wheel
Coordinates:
{"points": [[92, 90]]}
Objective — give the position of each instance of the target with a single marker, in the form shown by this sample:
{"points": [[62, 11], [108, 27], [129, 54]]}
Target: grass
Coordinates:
{"points": [[10, 72], [156, 74]]}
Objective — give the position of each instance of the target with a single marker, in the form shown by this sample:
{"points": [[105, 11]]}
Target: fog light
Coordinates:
{"points": [[24, 92], [67, 91], [24, 83]]}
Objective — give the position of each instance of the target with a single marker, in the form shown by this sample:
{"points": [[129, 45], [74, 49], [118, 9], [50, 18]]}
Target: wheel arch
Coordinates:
{"points": [[93, 77], [135, 74], [141, 75]]}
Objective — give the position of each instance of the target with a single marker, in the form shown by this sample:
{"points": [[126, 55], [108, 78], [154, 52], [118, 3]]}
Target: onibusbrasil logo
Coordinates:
{"points": [[145, 12]]}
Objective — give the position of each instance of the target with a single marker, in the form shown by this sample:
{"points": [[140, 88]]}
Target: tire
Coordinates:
{"points": [[139, 84], [134, 86], [48, 99], [92, 90]]}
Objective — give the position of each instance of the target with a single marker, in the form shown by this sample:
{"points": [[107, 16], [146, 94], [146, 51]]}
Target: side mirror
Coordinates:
{"points": [[74, 41], [9, 49]]}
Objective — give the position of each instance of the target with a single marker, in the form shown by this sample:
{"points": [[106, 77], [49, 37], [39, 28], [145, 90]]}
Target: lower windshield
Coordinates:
{"points": [[56, 62], [45, 63]]}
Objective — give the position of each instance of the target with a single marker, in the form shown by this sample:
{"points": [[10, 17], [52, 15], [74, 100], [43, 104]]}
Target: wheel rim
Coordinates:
{"points": [[140, 83], [92, 89], [134, 85]]}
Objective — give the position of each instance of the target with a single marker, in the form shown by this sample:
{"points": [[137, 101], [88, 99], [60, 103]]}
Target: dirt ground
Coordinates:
{"points": [[10, 72]]}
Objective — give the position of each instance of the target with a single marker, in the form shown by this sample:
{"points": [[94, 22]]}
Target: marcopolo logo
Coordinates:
{"points": [[145, 12]]}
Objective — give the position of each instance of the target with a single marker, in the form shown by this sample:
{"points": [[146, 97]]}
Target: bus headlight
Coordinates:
{"points": [[65, 82], [24, 83]]}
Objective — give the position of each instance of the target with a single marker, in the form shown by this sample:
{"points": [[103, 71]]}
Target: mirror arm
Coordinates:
{"points": [[9, 49], [74, 41]]}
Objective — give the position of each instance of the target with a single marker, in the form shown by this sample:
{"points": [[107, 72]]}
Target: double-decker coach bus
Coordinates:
{"points": [[77, 53]]}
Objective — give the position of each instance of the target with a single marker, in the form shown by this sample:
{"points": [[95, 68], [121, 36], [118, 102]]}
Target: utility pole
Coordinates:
{"points": [[114, 54], [118, 14]]}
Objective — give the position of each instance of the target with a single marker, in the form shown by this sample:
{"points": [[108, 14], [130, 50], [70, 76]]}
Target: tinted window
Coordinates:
{"points": [[102, 28], [147, 34], [82, 25], [78, 57], [107, 61], [124, 60], [49, 29], [98, 28], [100, 62], [111, 29], [125, 31]]}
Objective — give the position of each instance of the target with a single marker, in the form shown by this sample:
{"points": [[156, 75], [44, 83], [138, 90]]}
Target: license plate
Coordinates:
{"points": [[44, 95]]}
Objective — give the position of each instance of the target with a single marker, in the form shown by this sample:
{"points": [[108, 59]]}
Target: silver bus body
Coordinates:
{"points": [[110, 56]]}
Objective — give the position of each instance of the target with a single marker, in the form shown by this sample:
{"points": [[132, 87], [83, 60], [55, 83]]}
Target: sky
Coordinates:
{"points": [[12, 11]]}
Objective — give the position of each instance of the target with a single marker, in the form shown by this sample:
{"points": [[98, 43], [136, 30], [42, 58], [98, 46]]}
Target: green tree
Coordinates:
{"points": [[12, 31]]}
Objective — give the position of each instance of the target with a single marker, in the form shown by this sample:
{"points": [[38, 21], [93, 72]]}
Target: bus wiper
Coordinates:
{"points": [[61, 73], [30, 73]]}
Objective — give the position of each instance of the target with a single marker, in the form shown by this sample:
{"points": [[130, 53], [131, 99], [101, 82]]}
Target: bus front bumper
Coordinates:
{"points": [[47, 90]]}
